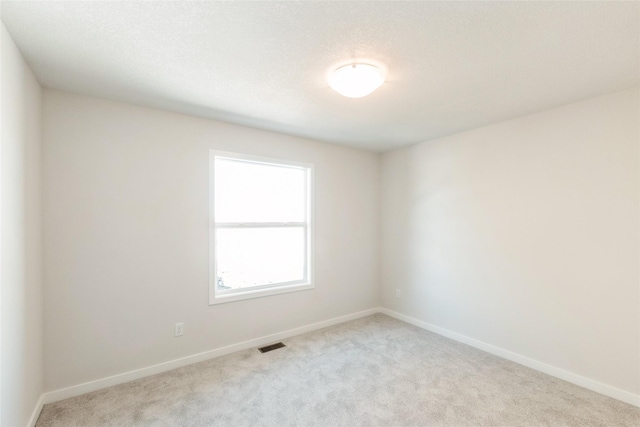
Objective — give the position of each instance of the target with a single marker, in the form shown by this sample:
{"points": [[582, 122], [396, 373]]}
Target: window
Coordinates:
{"points": [[260, 227]]}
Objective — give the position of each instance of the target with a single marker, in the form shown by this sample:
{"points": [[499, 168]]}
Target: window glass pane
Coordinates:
{"points": [[256, 192], [249, 257]]}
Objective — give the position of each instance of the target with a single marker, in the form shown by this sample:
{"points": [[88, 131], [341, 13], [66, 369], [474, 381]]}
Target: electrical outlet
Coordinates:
{"points": [[398, 293], [179, 329]]}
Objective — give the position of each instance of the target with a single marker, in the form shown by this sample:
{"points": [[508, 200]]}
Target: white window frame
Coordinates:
{"points": [[217, 296]]}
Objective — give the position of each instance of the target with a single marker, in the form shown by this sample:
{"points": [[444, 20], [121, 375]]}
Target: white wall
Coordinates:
{"points": [[126, 237], [21, 262], [525, 235]]}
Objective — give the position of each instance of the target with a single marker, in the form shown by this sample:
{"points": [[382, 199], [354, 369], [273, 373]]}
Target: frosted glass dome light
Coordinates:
{"points": [[356, 80]]}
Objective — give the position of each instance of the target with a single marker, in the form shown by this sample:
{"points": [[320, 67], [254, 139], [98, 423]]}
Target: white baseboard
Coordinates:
{"points": [[76, 390], [587, 383], [98, 384], [36, 412]]}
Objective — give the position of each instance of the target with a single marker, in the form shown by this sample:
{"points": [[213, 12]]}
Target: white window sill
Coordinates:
{"points": [[258, 293]]}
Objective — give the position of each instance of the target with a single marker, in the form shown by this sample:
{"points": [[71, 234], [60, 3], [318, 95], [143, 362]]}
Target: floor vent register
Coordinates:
{"points": [[271, 347]]}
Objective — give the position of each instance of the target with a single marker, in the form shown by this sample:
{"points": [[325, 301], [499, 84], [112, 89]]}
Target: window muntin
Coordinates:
{"points": [[260, 227]]}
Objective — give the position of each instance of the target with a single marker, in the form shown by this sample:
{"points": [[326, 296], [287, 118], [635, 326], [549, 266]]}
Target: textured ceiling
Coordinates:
{"points": [[450, 66]]}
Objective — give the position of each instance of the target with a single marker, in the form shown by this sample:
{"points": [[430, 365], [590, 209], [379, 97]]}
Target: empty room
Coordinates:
{"points": [[319, 213]]}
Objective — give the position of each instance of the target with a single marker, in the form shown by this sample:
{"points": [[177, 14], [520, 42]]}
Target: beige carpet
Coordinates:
{"points": [[374, 371]]}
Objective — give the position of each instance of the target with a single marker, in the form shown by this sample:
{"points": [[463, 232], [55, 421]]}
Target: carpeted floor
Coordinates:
{"points": [[374, 371]]}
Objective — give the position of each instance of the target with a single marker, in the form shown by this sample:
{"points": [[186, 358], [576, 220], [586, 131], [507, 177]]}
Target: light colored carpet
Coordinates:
{"points": [[374, 371]]}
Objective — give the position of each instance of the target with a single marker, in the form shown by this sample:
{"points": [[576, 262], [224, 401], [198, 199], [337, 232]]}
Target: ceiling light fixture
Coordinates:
{"points": [[355, 80]]}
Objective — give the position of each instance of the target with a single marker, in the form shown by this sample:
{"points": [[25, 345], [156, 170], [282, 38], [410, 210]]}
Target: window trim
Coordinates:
{"points": [[217, 297]]}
